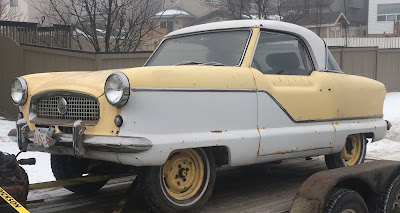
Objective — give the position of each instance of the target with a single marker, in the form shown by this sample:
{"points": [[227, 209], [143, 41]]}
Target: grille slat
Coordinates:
{"points": [[78, 108]]}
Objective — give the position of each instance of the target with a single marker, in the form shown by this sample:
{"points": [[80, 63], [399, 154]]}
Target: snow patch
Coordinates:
{"points": [[41, 172], [172, 12]]}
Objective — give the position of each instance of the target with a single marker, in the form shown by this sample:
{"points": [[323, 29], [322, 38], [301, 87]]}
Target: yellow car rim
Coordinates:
{"points": [[183, 174], [352, 149]]}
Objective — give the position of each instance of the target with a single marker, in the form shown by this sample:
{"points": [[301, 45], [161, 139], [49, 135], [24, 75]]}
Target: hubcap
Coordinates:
{"points": [[352, 149], [183, 174]]}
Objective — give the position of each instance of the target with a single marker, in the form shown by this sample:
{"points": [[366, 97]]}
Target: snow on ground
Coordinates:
{"points": [[388, 148], [41, 172]]}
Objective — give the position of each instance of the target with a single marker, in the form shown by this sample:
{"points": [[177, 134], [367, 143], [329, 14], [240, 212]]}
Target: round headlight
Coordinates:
{"points": [[19, 91], [117, 89]]}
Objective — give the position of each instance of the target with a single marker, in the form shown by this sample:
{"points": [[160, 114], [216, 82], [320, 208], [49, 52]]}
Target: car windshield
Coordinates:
{"points": [[224, 48]]}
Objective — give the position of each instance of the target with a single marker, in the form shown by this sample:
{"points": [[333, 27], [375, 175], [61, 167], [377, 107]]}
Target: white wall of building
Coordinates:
{"points": [[19, 13], [375, 26]]}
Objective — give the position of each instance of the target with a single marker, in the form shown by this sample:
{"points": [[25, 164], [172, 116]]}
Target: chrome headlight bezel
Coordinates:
{"points": [[22, 87], [124, 88]]}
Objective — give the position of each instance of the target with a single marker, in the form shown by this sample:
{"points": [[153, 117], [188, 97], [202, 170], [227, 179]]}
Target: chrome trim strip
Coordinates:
{"points": [[144, 89], [249, 91]]}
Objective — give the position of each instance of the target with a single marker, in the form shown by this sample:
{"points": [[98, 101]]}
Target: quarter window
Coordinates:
{"points": [[281, 54]]}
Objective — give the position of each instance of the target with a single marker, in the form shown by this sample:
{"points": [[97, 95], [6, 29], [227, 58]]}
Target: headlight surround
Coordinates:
{"points": [[19, 91], [117, 89]]}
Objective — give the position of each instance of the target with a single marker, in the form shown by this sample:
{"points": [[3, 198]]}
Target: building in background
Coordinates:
{"points": [[384, 16], [307, 13], [329, 25], [174, 18]]}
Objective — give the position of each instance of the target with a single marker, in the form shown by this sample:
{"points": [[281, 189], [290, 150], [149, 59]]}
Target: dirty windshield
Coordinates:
{"points": [[202, 49]]}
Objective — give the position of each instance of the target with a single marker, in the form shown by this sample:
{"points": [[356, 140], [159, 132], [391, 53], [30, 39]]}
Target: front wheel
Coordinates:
{"points": [[183, 184], [353, 153], [67, 167]]}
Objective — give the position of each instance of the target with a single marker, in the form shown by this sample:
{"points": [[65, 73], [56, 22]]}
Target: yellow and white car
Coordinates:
{"points": [[234, 93]]}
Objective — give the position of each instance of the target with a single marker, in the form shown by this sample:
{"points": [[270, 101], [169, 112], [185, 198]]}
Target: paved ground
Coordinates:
{"points": [[261, 188]]}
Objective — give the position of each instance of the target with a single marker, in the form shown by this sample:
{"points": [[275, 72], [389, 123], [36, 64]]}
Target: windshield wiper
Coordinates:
{"points": [[211, 63], [188, 63], [214, 63]]}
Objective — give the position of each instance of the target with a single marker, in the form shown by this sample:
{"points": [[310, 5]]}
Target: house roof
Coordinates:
{"points": [[174, 12], [311, 19], [315, 43]]}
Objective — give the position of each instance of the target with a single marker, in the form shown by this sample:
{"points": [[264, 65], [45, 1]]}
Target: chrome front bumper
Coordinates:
{"points": [[78, 143]]}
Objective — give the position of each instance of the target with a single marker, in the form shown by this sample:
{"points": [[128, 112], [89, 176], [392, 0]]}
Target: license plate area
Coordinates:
{"points": [[43, 136]]}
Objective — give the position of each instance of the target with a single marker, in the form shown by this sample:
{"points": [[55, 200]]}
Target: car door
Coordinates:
{"points": [[295, 103]]}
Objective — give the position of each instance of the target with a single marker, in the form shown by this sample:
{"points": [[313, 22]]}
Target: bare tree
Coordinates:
{"points": [[248, 9], [106, 25], [345, 6], [7, 13]]}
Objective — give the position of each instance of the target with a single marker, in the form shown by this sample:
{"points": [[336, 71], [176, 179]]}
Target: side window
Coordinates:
{"points": [[281, 54], [332, 65]]}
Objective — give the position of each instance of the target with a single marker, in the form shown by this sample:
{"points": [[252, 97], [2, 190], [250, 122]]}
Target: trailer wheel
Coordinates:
{"points": [[183, 184], [67, 167], [389, 200], [353, 153], [345, 201]]}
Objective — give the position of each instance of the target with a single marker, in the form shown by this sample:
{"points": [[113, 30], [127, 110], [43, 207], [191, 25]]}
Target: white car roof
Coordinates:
{"points": [[315, 44]]}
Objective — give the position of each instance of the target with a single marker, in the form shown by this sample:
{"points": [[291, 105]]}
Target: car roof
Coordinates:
{"points": [[315, 44]]}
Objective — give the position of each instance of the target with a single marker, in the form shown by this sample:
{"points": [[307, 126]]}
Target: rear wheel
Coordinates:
{"points": [[389, 200], [353, 153], [345, 201], [183, 184], [67, 167]]}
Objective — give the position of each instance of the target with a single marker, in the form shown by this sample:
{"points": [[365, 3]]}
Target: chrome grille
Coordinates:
{"points": [[78, 108]]}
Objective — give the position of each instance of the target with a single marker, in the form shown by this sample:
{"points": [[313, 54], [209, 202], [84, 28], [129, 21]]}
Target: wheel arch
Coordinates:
{"points": [[361, 186], [221, 154], [313, 193]]}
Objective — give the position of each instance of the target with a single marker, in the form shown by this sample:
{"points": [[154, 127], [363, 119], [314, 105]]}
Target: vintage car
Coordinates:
{"points": [[228, 93]]}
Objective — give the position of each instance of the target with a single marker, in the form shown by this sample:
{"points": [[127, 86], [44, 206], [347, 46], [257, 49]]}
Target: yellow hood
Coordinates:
{"points": [[86, 82], [191, 76]]}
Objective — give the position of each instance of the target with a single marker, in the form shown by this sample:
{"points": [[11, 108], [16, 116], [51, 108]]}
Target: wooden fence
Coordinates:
{"points": [[379, 64], [30, 33], [381, 42]]}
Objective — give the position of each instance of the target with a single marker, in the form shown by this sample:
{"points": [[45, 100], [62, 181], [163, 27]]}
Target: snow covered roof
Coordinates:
{"points": [[315, 43], [174, 12]]}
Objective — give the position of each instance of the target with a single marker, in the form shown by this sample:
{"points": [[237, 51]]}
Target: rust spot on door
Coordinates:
{"points": [[282, 152]]}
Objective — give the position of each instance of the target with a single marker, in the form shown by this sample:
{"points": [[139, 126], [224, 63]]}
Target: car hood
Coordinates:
{"points": [[80, 81], [190, 76]]}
